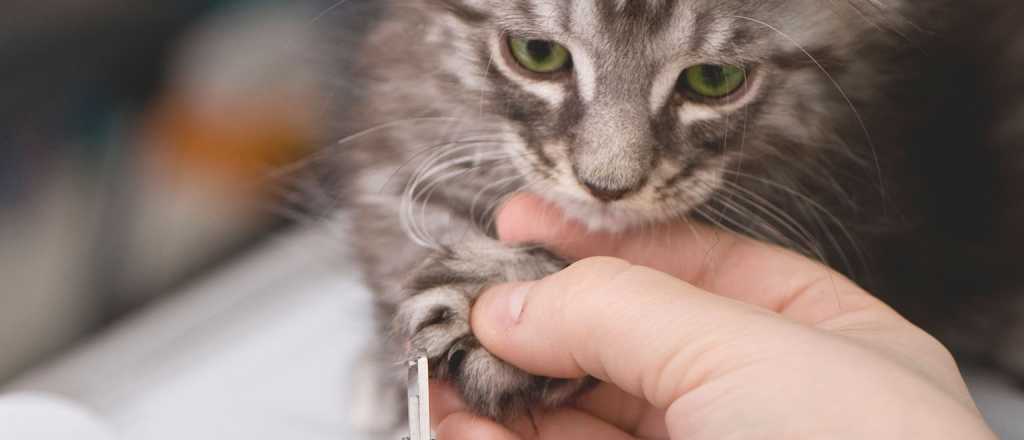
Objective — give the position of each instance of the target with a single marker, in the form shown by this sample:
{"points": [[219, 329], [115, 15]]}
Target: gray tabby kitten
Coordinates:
{"points": [[859, 132]]}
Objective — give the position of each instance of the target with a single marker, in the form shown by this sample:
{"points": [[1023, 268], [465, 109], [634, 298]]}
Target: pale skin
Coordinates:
{"points": [[701, 334]]}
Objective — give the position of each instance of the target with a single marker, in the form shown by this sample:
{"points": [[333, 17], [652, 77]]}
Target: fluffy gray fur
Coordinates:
{"points": [[853, 141]]}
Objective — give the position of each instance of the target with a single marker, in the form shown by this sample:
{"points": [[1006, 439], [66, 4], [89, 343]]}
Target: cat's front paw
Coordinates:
{"points": [[434, 320], [438, 327]]}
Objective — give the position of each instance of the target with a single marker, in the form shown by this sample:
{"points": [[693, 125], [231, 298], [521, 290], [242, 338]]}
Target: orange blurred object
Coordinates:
{"points": [[241, 144]]}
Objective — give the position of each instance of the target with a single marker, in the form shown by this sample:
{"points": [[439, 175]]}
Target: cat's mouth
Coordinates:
{"points": [[653, 204], [599, 216]]}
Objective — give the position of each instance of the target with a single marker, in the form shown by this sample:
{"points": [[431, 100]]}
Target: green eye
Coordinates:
{"points": [[713, 81], [539, 56]]}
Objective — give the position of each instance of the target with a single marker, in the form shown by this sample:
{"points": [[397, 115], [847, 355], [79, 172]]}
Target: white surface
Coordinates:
{"points": [[43, 417], [261, 351], [266, 350]]}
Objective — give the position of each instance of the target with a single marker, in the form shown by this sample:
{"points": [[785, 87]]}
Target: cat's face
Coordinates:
{"points": [[628, 112]]}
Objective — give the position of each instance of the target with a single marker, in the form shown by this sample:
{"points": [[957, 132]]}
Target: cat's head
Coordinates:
{"points": [[627, 112]]}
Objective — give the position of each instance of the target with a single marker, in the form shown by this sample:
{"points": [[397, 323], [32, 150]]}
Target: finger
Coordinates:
{"points": [[717, 261], [572, 424], [562, 424], [527, 218], [624, 411], [444, 401], [464, 426], [609, 319]]}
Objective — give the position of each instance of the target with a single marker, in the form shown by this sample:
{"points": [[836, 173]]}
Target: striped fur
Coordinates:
{"points": [[825, 150]]}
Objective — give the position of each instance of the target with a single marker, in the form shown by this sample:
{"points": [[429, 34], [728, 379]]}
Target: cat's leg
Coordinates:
{"points": [[434, 319], [424, 297]]}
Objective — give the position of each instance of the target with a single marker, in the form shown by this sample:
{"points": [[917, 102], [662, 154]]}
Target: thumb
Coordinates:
{"points": [[644, 331]]}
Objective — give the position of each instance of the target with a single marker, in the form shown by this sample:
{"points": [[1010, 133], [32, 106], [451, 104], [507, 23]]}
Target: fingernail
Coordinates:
{"points": [[515, 301]]}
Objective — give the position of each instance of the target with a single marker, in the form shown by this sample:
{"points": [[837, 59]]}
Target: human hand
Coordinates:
{"points": [[783, 348]]}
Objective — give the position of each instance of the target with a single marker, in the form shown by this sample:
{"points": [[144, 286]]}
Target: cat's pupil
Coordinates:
{"points": [[713, 75], [540, 50]]}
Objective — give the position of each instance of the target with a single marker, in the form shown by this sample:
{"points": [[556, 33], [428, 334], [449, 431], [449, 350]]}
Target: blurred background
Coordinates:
{"points": [[139, 144], [145, 145]]}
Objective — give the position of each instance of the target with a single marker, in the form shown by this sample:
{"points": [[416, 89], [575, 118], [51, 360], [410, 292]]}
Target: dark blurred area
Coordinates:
{"points": [[136, 140]]}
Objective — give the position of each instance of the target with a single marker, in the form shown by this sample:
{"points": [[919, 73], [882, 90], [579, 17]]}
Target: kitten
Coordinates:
{"points": [[858, 132]]}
